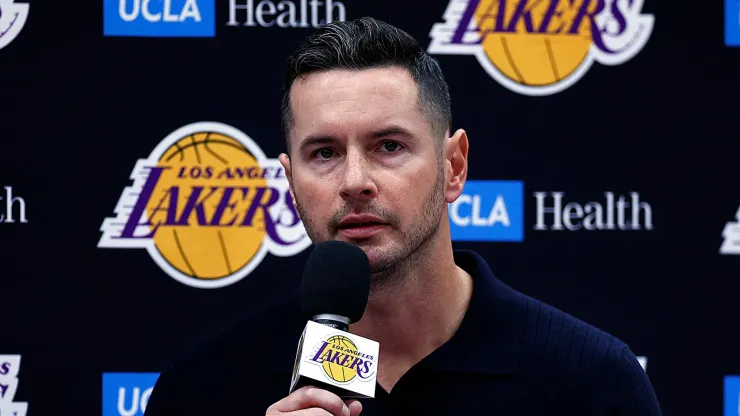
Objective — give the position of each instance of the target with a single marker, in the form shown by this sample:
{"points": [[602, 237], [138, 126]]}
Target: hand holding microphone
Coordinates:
{"points": [[332, 365], [313, 401]]}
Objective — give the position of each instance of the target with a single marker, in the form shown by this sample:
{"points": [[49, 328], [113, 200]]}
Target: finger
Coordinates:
{"points": [[314, 411], [355, 407], [309, 396]]}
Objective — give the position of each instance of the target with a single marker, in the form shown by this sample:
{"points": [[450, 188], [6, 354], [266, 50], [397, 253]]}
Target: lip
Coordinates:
{"points": [[371, 225], [355, 219], [365, 231]]}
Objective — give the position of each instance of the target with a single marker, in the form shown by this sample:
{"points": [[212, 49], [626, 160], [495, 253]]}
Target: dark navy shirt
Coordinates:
{"points": [[511, 355]]}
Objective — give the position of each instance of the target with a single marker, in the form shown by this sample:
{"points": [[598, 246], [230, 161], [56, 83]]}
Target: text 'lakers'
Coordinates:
{"points": [[541, 47], [208, 205]]}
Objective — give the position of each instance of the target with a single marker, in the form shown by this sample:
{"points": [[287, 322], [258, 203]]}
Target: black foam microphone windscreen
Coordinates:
{"points": [[336, 280]]}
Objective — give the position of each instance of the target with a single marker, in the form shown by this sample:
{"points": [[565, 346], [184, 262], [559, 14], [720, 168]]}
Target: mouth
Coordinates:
{"points": [[359, 225], [361, 228]]}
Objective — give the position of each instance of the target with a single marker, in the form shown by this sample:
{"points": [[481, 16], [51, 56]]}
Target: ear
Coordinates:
{"points": [[285, 161], [456, 164]]}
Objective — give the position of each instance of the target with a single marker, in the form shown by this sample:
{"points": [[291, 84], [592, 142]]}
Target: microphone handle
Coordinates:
{"points": [[334, 321]]}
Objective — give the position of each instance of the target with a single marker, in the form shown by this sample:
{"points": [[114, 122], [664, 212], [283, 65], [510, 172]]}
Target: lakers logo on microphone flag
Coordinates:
{"points": [[337, 358]]}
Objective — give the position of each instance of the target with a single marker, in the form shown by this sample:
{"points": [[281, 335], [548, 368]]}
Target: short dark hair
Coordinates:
{"points": [[367, 43]]}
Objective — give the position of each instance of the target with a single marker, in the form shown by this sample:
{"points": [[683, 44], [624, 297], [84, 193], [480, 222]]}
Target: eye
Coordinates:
{"points": [[323, 153], [390, 146]]}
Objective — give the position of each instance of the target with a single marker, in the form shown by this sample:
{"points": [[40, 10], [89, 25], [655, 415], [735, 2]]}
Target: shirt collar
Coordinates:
{"points": [[488, 338]]}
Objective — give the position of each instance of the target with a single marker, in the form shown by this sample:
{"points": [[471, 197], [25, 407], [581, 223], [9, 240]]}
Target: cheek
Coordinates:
{"points": [[418, 193], [407, 197], [311, 195]]}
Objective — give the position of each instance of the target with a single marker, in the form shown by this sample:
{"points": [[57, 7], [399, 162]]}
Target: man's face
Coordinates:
{"points": [[364, 167]]}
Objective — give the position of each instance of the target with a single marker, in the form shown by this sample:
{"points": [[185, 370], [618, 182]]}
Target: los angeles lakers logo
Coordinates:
{"points": [[208, 206], [542, 47], [341, 360]]}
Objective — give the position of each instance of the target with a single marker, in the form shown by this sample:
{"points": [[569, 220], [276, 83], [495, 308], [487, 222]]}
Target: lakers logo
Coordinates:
{"points": [[542, 47], [341, 360], [208, 206]]}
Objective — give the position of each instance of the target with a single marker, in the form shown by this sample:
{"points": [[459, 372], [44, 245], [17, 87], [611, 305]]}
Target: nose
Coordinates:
{"points": [[357, 182]]}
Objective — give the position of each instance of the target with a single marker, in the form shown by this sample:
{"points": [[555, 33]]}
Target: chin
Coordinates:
{"points": [[381, 258], [378, 252]]}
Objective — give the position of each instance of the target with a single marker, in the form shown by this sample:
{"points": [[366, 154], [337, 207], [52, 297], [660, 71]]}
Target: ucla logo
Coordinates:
{"points": [[732, 395], [488, 211], [341, 360], [208, 206], [157, 18], [127, 394], [732, 23], [542, 47]]}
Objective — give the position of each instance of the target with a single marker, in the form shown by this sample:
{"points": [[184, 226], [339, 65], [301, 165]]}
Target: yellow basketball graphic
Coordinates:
{"points": [[207, 205], [336, 372], [207, 241], [534, 58], [542, 47]]}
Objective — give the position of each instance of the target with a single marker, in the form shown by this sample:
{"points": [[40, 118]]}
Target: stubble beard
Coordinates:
{"points": [[392, 264]]}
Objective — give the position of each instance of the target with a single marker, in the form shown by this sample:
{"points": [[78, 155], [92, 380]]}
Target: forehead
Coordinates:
{"points": [[346, 100]]}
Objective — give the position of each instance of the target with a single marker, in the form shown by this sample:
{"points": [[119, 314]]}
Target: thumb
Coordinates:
{"points": [[355, 407]]}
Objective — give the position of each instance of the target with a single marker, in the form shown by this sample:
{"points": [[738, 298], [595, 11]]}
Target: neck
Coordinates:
{"points": [[421, 309]]}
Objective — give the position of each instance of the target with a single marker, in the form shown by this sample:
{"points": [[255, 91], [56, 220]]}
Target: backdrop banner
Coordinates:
{"points": [[142, 206]]}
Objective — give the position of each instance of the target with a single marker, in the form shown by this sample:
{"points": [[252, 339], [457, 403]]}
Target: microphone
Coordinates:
{"points": [[334, 293]]}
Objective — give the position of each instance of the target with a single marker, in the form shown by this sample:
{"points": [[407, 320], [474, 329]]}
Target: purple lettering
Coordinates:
{"points": [[584, 12], [317, 357], [253, 173], [335, 358], [223, 204], [224, 213], [195, 172], [269, 222], [146, 193], [257, 204], [552, 11], [4, 368], [172, 194], [366, 369], [597, 33], [523, 11], [465, 20], [356, 363], [226, 172], [274, 173], [194, 203]]}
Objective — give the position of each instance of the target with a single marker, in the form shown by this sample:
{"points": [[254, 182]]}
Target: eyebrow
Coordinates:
{"points": [[312, 140], [391, 131], [394, 130]]}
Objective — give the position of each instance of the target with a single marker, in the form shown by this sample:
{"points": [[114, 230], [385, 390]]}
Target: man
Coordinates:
{"points": [[371, 160]]}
